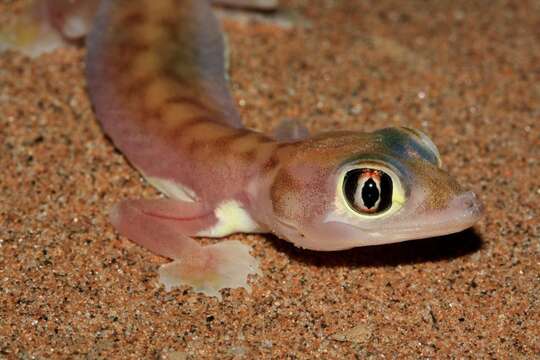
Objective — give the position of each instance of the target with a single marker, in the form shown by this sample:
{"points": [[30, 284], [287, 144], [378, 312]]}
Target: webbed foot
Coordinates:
{"points": [[165, 227], [223, 265]]}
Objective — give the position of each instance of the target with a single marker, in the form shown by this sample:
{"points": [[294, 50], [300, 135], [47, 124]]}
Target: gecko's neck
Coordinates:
{"points": [[258, 191]]}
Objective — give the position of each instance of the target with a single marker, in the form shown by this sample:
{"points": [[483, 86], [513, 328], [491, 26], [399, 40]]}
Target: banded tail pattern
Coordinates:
{"points": [[156, 75]]}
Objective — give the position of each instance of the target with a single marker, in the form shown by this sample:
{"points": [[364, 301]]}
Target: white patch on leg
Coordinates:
{"points": [[232, 218]]}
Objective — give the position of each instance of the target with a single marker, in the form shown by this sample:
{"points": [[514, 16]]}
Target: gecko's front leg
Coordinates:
{"points": [[166, 227]]}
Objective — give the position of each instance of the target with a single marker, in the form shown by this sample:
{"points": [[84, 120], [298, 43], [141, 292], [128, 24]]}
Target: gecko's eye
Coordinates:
{"points": [[368, 191]]}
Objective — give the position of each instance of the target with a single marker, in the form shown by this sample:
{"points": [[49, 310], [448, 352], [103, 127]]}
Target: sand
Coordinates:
{"points": [[467, 73]]}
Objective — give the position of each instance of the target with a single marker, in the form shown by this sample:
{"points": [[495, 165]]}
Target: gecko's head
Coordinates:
{"points": [[343, 190]]}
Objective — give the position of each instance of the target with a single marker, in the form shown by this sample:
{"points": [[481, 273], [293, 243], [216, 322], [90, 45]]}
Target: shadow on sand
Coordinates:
{"points": [[408, 252]]}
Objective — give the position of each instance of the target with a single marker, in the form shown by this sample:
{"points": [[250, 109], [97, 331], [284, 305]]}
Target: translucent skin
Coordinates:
{"points": [[306, 204], [160, 93], [156, 78]]}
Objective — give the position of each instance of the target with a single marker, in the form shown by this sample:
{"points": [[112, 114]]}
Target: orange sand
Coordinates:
{"points": [[467, 74]]}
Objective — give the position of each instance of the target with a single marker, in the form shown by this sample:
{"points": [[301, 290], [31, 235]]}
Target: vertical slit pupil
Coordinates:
{"points": [[374, 199], [370, 193]]}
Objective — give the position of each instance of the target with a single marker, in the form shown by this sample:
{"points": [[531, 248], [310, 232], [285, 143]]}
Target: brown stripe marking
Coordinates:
{"points": [[251, 146], [130, 90], [249, 156], [225, 141], [180, 129], [159, 10], [249, 141], [128, 14], [218, 142], [207, 131], [160, 91], [150, 34], [174, 114], [146, 64]]}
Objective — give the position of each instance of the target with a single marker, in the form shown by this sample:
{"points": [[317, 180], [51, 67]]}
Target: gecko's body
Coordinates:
{"points": [[156, 78]]}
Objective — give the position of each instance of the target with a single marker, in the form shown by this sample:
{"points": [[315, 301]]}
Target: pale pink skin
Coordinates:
{"points": [[176, 122]]}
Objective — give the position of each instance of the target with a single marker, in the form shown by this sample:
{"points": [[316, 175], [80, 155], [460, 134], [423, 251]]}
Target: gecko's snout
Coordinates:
{"points": [[469, 205]]}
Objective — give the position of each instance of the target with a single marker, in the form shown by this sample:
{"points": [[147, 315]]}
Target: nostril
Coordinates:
{"points": [[472, 203], [478, 206], [469, 202]]}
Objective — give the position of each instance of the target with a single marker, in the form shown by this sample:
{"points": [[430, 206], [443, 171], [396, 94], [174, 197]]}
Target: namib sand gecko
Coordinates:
{"points": [[156, 78]]}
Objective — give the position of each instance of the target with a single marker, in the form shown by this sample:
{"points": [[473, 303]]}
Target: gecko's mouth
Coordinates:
{"points": [[462, 212]]}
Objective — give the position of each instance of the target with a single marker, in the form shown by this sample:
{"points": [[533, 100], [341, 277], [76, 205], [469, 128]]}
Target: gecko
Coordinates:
{"points": [[156, 77]]}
